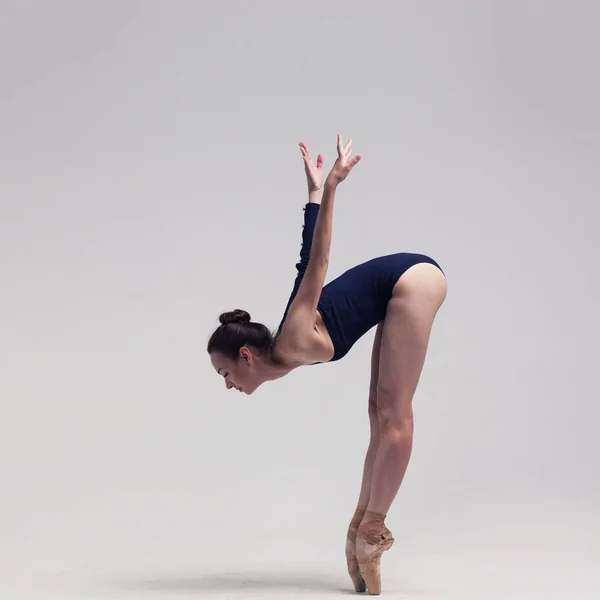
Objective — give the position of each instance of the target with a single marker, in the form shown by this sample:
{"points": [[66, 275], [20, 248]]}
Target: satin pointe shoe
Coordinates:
{"points": [[351, 561], [372, 539]]}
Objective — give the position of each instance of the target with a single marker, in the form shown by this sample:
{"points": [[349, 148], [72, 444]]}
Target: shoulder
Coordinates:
{"points": [[303, 340]]}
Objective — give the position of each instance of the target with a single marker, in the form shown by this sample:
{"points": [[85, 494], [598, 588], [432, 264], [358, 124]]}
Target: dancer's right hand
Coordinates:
{"points": [[314, 174]]}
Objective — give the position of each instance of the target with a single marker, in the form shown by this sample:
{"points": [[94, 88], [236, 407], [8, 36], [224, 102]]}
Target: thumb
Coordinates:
{"points": [[319, 161]]}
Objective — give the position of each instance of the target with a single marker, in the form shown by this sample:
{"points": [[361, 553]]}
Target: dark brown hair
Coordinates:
{"points": [[237, 330]]}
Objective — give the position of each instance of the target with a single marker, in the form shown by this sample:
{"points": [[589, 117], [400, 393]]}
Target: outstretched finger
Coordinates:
{"points": [[348, 146], [354, 160], [339, 145], [305, 155]]}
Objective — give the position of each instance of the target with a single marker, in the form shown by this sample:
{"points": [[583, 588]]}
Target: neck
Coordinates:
{"points": [[273, 365]]}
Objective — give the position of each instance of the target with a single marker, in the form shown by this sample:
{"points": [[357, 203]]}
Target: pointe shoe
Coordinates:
{"points": [[373, 538], [351, 560]]}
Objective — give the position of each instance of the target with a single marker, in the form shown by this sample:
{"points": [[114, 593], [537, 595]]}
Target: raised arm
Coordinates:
{"points": [[314, 177], [311, 211], [301, 313]]}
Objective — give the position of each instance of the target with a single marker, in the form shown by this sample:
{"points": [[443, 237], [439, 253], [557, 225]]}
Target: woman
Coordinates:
{"points": [[400, 294]]}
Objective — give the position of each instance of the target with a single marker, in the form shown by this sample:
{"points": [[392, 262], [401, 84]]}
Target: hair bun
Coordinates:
{"points": [[235, 316]]}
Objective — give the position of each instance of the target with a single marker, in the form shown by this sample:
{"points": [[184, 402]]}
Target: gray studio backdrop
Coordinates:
{"points": [[151, 179]]}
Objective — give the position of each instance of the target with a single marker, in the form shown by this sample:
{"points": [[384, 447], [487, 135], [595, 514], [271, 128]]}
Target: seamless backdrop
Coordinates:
{"points": [[151, 180]]}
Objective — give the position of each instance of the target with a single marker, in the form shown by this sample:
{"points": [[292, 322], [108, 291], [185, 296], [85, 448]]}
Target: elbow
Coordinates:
{"points": [[323, 261]]}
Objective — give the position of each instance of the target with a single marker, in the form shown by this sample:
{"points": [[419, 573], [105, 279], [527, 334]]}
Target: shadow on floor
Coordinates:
{"points": [[251, 581]]}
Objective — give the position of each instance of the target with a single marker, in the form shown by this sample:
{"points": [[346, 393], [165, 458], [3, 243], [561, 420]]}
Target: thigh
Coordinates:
{"points": [[375, 370], [405, 338]]}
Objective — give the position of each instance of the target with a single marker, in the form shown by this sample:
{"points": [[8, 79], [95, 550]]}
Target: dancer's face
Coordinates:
{"points": [[241, 374]]}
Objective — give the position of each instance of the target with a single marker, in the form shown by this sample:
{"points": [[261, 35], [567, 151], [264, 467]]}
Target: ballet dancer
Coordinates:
{"points": [[400, 294]]}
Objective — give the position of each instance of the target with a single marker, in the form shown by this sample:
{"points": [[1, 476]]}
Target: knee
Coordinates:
{"points": [[395, 417], [373, 410], [396, 430]]}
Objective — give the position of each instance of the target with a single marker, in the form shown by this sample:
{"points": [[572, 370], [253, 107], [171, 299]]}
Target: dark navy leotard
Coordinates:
{"points": [[357, 300]]}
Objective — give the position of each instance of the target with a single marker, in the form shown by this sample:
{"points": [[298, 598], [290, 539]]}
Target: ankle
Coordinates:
{"points": [[372, 524], [355, 524], [358, 515], [372, 516]]}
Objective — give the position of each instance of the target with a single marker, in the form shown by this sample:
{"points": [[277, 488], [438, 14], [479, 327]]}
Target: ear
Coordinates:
{"points": [[245, 354]]}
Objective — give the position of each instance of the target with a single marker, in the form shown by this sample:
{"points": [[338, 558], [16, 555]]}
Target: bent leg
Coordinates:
{"points": [[405, 338], [365, 488], [406, 332]]}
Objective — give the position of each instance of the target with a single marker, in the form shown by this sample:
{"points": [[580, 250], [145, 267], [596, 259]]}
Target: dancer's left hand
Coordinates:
{"points": [[344, 163], [314, 174]]}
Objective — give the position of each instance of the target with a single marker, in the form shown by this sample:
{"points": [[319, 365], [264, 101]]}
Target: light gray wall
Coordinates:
{"points": [[151, 179]]}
